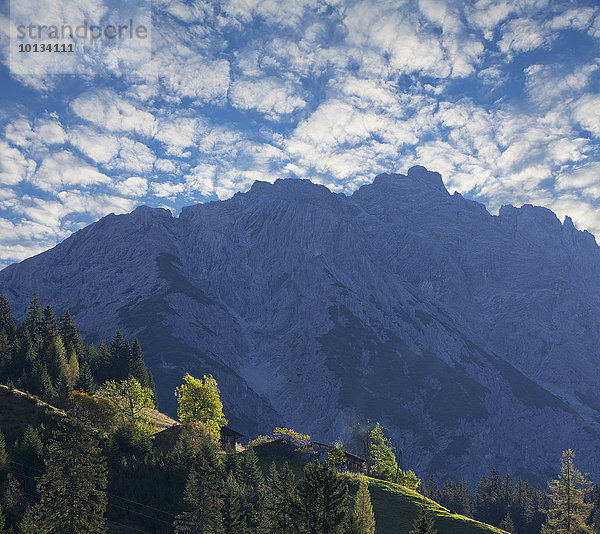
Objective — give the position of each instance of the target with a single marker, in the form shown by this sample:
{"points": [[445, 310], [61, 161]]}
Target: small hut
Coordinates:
{"points": [[352, 463], [229, 437]]}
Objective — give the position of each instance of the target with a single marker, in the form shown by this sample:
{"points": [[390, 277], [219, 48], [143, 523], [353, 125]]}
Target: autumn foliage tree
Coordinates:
{"points": [[200, 400], [131, 401]]}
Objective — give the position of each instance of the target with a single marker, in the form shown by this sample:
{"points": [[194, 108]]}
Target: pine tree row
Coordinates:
{"points": [[47, 357]]}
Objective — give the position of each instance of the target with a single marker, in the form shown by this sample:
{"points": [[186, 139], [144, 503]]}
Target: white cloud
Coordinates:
{"points": [[133, 156], [487, 14], [167, 189], [201, 179], [576, 19], [165, 165], [266, 95], [64, 170], [546, 84], [107, 110], [100, 148], [523, 35], [132, 187], [586, 110], [186, 74], [14, 166], [178, 133], [19, 132]]}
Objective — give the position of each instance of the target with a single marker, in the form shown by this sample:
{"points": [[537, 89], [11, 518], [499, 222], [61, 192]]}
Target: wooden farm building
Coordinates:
{"points": [[229, 437], [353, 463]]}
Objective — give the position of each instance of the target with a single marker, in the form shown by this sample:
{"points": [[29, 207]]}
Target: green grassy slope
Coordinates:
{"points": [[396, 507]]}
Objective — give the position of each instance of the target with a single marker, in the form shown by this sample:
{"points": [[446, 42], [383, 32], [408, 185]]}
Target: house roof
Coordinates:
{"points": [[347, 454], [231, 432]]}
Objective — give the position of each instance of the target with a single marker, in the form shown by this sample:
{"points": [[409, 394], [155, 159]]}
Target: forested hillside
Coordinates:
{"points": [[97, 464]]}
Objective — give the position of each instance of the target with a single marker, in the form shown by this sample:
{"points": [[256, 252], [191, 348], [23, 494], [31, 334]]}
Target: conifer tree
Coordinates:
{"points": [[3, 456], [568, 510], [56, 358], [49, 326], [7, 322], [322, 499], [72, 369], [70, 334], [39, 382], [29, 451], [507, 524], [2, 522], [102, 364], [203, 502], [279, 502], [27, 525], [232, 499], [251, 479], [250, 472], [119, 357], [424, 523], [490, 501], [85, 380], [136, 365], [72, 498], [364, 509], [432, 490], [34, 323], [231, 464], [61, 387], [6, 350]]}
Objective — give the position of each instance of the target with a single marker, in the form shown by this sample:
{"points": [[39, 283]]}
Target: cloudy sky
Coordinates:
{"points": [[501, 97]]}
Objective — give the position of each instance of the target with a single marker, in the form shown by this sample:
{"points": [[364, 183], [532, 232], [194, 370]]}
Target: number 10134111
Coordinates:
{"points": [[43, 47]]}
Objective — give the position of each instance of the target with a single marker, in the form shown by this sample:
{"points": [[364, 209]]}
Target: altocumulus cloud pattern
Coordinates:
{"points": [[501, 97]]}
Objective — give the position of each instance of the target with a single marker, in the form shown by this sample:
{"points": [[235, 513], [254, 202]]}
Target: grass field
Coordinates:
{"points": [[397, 507]]}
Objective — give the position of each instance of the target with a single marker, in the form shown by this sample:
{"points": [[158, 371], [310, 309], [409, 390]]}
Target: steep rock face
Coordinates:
{"points": [[473, 337]]}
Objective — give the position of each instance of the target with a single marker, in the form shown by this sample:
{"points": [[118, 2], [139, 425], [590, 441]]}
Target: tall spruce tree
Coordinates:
{"points": [[507, 524], [203, 502], [49, 326], [424, 523], [3, 456], [2, 522], [364, 509], [34, 322], [490, 501], [136, 365], [279, 502], [6, 350], [119, 357], [231, 509], [29, 451], [322, 499], [7, 321], [568, 510], [70, 334], [102, 367], [27, 525], [72, 498], [85, 380]]}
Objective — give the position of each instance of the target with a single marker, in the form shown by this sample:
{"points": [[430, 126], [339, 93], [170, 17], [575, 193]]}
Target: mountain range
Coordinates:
{"points": [[474, 338]]}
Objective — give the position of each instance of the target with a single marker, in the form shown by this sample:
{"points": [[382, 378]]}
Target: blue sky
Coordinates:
{"points": [[501, 97]]}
